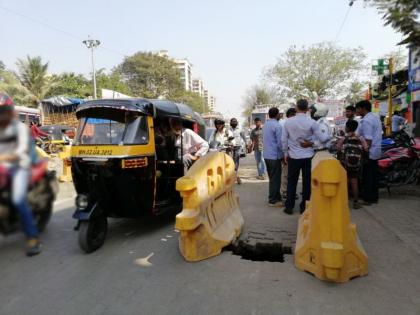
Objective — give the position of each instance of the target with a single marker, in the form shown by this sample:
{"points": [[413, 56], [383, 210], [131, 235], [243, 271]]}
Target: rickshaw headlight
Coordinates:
{"points": [[82, 202]]}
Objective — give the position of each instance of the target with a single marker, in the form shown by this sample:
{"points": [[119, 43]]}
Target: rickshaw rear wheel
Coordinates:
{"points": [[92, 233]]}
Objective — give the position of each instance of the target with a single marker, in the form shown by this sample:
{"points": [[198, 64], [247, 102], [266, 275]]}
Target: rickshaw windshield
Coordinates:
{"points": [[117, 129]]}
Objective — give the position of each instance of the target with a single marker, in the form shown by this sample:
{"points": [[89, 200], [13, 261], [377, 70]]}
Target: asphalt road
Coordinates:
{"points": [[113, 280]]}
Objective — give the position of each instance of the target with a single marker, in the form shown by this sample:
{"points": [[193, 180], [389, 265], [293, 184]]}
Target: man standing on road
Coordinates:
{"points": [[319, 113], [239, 143], [299, 133], [371, 131], [257, 146], [291, 112], [273, 154]]}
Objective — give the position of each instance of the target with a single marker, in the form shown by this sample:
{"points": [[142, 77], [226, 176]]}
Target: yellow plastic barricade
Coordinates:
{"points": [[327, 244], [65, 157], [210, 219], [41, 153]]}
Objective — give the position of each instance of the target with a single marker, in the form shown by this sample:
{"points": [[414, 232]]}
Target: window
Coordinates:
{"points": [[128, 129]]}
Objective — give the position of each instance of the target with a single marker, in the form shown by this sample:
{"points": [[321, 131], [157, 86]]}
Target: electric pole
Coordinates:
{"points": [[92, 44]]}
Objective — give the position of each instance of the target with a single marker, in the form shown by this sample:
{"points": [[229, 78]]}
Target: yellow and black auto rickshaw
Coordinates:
{"points": [[125, 162]]}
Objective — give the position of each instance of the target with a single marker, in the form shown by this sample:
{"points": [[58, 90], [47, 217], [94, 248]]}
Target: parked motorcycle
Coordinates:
{"points": [[399, 139], [42, 191], [399, 166]]}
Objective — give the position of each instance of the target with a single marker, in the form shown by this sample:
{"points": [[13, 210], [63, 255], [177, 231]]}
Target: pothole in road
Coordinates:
{"points": [[269, 245]]}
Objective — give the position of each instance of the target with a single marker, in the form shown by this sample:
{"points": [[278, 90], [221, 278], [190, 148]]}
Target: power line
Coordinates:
{"points": [[344, 21], [56, 29]]}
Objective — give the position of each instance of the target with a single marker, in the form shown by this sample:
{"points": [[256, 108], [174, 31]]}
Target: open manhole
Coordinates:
{"points": [[268, 245]]}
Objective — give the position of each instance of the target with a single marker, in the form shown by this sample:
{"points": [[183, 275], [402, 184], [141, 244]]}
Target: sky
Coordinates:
{"points": [[228, 42]]}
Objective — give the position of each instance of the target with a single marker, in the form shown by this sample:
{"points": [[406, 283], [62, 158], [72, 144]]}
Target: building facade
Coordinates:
{"points": [[198, 87]]}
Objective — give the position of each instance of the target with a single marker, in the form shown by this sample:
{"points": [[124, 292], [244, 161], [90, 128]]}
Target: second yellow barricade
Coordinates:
{"points": [[210, 219], [65, 156], [327, 244]]}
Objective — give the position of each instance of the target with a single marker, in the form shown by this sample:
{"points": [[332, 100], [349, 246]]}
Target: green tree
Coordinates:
{"points": [[195, 101], [258, 95], [323, 68], [149, 75], [355, 92], [402, 15], [71, 85], [112, 81], [10, 84], [33, 75], [2, 66]]}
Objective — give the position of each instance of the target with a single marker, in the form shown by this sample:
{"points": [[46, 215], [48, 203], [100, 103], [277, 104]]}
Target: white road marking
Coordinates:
{"points": [[144, 262]]}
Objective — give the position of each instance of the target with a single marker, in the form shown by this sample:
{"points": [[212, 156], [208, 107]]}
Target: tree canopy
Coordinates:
{"points": [[195, 101], [258, 95], [150, 75], [323, 68], [33, 75], [402, 15], [10, 84], [71, 85]]}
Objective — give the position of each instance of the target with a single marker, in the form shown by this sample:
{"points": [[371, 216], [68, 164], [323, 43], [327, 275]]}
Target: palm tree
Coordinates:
{"points": [[10, 84], [33, 75]]}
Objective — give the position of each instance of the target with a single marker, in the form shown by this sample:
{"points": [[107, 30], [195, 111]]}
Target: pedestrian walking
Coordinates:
{"points": [[239, 143], [371, 130], [291, 112], [257, 146], [273, 154], [351, 151], [299, 132]]}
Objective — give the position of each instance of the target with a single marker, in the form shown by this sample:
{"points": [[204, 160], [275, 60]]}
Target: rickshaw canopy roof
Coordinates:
{"points": [[154, 108]]}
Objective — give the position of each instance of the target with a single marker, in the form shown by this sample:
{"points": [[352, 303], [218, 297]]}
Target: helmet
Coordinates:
{"points": [[6, 102], [319, 110], [219, 121]]}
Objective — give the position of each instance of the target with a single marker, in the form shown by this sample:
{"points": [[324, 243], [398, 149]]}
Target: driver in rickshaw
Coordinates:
{"points": [[193, 146]]}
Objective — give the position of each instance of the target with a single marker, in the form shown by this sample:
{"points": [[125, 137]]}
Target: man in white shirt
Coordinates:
{"points": [[291, 112], [371, 131], [298, 135], [239, 143], [191, 144]]}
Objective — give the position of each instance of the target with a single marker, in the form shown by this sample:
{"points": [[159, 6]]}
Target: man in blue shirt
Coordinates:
{"points": [[298, 137], [371, 130], [397, 122], [273, 154]]}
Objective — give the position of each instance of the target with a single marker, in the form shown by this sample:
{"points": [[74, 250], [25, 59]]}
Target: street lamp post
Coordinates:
{"points": [[92, 44]]}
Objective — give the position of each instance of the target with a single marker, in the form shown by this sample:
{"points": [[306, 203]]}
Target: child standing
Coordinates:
{"points": [[351, 150]]}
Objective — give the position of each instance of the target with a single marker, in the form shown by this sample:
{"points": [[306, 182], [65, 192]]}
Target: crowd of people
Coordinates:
{"points": [[285, 149], [289, 147]]}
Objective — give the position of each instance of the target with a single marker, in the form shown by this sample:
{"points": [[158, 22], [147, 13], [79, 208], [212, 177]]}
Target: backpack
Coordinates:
{"points": [[352, 154]]}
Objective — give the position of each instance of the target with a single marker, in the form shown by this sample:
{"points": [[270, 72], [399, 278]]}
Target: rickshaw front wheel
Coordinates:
{"points": [[92, 233]]}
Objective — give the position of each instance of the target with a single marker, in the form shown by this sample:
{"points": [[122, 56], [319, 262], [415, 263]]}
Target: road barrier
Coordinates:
{"points": [[327, 244], [41, 153], [210, 219], [65, 157]]}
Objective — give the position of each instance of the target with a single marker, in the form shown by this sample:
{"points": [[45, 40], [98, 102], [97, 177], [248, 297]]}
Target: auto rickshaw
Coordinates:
{"points": [[125, 162]]}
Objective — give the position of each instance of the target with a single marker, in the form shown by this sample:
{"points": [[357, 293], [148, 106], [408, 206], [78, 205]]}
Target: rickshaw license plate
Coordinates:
{"points": [[95, 152], [134, 163]]}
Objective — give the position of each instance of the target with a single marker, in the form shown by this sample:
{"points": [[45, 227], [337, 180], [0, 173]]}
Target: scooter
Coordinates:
{"points": [[227, 147], [43, 189], [399, 166]]}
